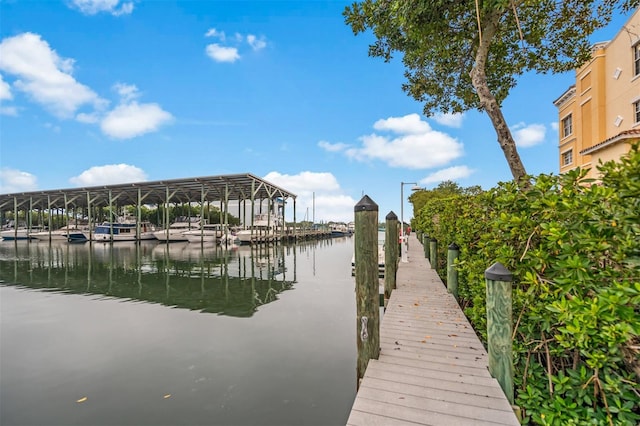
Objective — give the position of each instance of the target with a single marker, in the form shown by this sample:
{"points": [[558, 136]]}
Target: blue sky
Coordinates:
{"points": [[96, 92]]}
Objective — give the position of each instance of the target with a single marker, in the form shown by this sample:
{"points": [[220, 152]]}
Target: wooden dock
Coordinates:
{"points": [[432, 369]]}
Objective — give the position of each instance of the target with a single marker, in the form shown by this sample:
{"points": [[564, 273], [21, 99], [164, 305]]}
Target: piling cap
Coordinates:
{"points": [[453, 246], [366, 204], [497, 272], [391, 216]]}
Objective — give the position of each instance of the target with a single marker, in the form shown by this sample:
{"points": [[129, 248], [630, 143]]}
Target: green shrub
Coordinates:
{"points": [[574, 250]]}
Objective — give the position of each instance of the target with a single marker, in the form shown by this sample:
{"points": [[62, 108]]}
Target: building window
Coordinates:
{"points": [[636, 59], [567, 126], [567, 157], [636, 108]]}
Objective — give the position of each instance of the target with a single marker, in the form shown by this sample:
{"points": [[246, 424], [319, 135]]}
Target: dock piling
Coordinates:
{"points": [[390, 254], [367, 283], [500, 326], [452, 272], [433, 253]]}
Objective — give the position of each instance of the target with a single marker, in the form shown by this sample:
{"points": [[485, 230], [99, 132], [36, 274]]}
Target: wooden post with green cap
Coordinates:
{"points": [[452, 272], [390, 254], [433, 253], [500, 326], [367, 283], [426, 242]]}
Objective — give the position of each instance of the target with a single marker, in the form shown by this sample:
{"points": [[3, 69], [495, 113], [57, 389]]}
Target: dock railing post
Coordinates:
{"points": [[426, 241], [433, 253], [390, 254], [500, 326], [452, 272], [367, 283]]}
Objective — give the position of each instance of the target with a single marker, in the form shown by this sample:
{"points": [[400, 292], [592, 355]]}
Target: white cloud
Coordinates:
{"points": [[93, 7], [47, 78], [222, 54], [331, 204], [449, 119], [256, 43], [88, 118], [416, 145], [409, 124], [127, 121], [215, 33], [450, 173], [12, 181], [554, 125], [528, 135], [5, 94], [228, 49], [332, 147], [110, 174], [44, 75], [127, 92], [5, 89]]}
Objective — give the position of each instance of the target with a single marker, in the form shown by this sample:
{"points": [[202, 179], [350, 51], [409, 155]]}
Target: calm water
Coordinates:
{"points": [[177, 334]]}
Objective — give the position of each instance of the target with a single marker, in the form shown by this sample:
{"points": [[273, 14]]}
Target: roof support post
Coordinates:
{"points": [[49, 221], [139, 216]]}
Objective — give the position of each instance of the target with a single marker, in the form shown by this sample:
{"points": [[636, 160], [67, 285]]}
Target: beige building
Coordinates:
{"points": [[599, 116]]}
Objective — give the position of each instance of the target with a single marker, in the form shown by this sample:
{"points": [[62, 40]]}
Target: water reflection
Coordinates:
{"points": [[99, 322], [206, 278]]}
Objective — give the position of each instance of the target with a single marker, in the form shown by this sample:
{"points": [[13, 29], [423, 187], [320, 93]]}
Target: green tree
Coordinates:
{"points": [[444, 189], [462, 55]]}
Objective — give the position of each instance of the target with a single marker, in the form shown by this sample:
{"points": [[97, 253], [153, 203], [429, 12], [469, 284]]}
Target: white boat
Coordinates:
{"points": [[61, 234], [208, 233], [263, 229], [77, 237], [15, 234], [20, 233], [176, 230], [123, 231], [339, 230]]}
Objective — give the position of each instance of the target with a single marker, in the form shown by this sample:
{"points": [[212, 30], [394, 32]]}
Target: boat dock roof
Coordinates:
{"points": [[205, 188]]}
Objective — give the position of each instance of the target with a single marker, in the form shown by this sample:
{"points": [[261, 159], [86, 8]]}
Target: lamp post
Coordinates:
{"points": [[403, 244]]}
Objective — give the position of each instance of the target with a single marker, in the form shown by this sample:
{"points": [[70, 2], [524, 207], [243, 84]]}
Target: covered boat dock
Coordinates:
{"points": [[220, 190]]}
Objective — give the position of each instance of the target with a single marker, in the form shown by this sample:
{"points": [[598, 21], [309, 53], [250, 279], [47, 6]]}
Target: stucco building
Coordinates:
{"points": [[599, 116]]}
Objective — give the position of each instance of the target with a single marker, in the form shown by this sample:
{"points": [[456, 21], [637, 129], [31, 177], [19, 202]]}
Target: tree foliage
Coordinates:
{"points": [[444, 189], [462, 55]]}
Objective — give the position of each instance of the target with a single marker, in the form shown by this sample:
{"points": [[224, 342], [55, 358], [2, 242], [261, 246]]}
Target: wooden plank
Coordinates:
{"points": [[439, 344], [487, 389], [408, 414], [411, 333], [430, 372], [420, 363], [435, 357], [431, 405], [361, 418], [459, 397]]}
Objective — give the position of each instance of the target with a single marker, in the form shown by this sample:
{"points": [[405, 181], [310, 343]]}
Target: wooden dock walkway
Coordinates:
{"points": [[432, 369]]}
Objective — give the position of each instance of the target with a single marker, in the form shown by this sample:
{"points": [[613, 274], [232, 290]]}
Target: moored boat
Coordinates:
{"points": [[20, 233], [77, 237], [61, 234], [123, 231], [340, 230], [208, 233], [263, 229], [176, 230]]}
